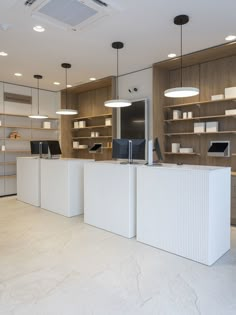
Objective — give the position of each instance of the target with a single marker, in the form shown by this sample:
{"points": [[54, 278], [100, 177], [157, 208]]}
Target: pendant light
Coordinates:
{"points": [[117, 102], [181, 91], [38, 116], [66, 111]]}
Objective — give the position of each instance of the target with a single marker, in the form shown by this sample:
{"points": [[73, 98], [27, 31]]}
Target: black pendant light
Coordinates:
{"points": [[181, 91], [38, 116], [66, 111], [117, 102]]}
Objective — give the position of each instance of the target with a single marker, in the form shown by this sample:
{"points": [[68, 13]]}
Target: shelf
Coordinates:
{"points": [[75, 138], [8, 176], [199, 133], [19, 115], [200, 103], [92, 127], [7, 163], [179, 153], [91, 117], [200, 118], [21, 127], [15, 151]]}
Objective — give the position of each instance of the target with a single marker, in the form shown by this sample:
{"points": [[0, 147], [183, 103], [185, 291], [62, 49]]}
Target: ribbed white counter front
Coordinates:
{"points": [[62, 186], [185, 210], [109, 197], [28, 180]]}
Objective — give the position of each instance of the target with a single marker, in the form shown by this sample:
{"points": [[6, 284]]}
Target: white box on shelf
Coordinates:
{"points": [[230, 92], [199, 127], [176, 114], [108, 122], [83, 146], [230, 112], [93, 134], [82, 123], [185, 115], [175, 147], [76, 124], [47, 124], [212, 126], [190, 114], [186, 150], [217, 97], [75, 144]]}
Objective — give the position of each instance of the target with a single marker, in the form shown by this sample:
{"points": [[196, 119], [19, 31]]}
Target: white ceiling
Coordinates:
{"points": [[145, 26]]}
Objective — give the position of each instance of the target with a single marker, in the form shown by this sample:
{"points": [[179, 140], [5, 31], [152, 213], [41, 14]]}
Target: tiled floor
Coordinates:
{"points": [[52, 265]]}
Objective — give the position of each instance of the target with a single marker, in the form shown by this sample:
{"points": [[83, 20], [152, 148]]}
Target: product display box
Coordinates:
{"points": [[199, 127], [212, 126]]}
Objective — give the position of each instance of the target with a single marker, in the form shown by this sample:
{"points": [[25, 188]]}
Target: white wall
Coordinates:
{"points": [[142, 80]]}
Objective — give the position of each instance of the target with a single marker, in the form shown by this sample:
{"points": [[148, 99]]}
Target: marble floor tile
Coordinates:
{"points": [[53, 265]]}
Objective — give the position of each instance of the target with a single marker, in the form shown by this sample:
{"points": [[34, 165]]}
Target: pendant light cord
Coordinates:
{"points": [[66, 88], [38, 94], [181, 56], [117, 73]]}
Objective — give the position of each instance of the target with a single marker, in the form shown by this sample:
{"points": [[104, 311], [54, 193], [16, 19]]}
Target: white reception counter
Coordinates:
{"points": [[110, 197], [28, 180], [185, 210], [53, 184]]}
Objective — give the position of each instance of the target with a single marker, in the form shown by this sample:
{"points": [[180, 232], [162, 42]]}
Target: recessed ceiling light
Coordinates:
{"points": [[172, 55], [3, 53], [38, 28], [230, 37], [56, 83], [92, 79], [69, 85], [17, 74]]}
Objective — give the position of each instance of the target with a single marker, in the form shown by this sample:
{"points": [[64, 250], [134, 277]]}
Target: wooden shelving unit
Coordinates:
{"points": [[90, 99], [211, 71]]}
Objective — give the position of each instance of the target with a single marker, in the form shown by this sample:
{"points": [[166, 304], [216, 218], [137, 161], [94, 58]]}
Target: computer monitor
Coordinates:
{"points": [[157, 149], [54, 147], [129, 149], [39, 147]]}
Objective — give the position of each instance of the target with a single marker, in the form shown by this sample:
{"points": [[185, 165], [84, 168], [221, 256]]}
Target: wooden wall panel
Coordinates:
{"points": [[216, 75], [190, 78]]}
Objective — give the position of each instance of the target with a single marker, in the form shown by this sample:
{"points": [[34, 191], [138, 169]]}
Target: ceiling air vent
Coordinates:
{"points": [[71, 14], [28, 3]]}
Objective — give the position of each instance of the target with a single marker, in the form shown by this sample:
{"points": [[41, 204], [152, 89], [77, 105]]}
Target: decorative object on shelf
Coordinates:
{"points": [[75, 144], [3, 148], [82, 124], [186, 150], [93, 134], [14, 135], [190, 114], [212, 126], [185, 115], [217, 97], [108, 121], [176, 114], [230, 112], [97, 134], [230, 92], [83, 146], [199, 127], [66, 111], [175, 147], [47, 125], [76, 124], [181, 91], [38, 116], [117, 102]]}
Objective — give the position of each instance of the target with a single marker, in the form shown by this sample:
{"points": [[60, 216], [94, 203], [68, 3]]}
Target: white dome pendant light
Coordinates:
{"points": [[117, 102], [38, 116], [66, 111], [181, 91]]}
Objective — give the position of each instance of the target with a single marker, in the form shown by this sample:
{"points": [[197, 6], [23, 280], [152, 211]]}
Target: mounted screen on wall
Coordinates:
{"points": [[134, 121]]}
